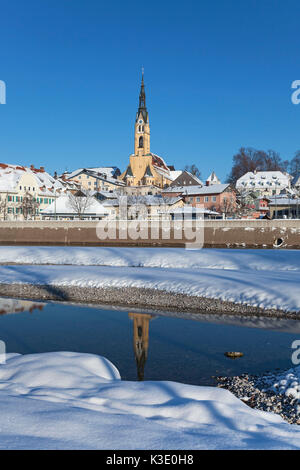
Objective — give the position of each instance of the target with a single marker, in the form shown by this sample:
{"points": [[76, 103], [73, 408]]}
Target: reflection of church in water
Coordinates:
{"points": [[140, 340]]}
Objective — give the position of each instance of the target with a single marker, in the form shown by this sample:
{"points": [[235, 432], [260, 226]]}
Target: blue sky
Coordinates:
{"points": [[218, 76]]}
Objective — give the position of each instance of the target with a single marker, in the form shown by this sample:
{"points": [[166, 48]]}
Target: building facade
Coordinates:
{"points": [[26, 191]]}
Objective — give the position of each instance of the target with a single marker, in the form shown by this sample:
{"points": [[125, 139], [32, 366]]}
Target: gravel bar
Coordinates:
{"points": [[138, 297], [251, 390]]}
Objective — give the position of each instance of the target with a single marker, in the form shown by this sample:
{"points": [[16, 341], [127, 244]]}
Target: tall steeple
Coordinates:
{"points": [[142, 101], [142, 128]]}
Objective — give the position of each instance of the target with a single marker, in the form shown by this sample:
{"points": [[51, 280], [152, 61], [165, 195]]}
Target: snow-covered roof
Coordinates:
{"points": [[174, 174], [284, 201], [109, 171], [201, 190], [264, 179], [10, 176], [193, 210], [147, 200], [213, 179], [63, 206], [105, 175]]}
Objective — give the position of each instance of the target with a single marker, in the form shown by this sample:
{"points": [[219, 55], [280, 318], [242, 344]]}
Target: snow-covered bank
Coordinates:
{"points": [[267, 279], [265, 289], [241, 260], [77, 401]]}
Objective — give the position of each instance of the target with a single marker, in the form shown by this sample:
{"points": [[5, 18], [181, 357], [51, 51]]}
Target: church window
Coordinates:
{"points": [[141, 142]]}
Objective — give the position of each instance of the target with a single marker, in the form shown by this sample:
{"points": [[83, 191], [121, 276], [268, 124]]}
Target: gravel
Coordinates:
{"points": [[251, 389], [138, 297]]}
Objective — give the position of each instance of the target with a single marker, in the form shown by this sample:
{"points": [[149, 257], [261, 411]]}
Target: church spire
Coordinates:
{"points": [[142, 100]]}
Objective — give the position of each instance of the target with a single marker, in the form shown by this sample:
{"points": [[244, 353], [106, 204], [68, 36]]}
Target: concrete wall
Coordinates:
{"points": [[217, 233]]}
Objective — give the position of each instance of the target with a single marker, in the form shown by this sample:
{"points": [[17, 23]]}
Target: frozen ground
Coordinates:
{"points": [[77, 401], [234, 259], [262, 278]]}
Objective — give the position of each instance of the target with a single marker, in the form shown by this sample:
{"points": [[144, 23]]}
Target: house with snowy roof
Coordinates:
{"points": [[26, 191], [215, 197], [265, 183], [185, 178], [100, 179], [212, 179], [70, 206]]}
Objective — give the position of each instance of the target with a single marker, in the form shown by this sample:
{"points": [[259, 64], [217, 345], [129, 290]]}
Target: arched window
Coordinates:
{"points": [[141, 142]]}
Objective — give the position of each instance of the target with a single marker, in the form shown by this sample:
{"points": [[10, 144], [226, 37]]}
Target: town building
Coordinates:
{"points": [[283, 207], [147, 207], [212, 179], [26, 191], [218, 197], [145, 168], [98, 179], [74, 207], [185, 178], [266, 183]]}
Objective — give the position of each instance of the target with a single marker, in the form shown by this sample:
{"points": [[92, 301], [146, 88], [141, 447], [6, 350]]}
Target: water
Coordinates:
{"points": [[151, 346]]}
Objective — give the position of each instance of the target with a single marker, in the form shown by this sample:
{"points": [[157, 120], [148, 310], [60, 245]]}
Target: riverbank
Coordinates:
{"points": [[131, 297], [67, 400], [275, 392], [252, 282]]}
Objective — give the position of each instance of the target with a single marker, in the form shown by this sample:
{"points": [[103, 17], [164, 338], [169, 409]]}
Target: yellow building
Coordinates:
{"points": [[145, 168]]}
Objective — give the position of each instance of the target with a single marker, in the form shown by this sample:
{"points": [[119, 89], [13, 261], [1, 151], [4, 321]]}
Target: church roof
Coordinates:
{"points": [[148, 171], [128, 172]]}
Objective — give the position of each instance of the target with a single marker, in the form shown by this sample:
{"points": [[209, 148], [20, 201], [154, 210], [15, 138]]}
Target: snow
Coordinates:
{"points": [[285, 383], [68, 400], [264, 278]]}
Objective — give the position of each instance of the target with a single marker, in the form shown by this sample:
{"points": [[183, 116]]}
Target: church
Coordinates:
{"points": [[145, 168]]}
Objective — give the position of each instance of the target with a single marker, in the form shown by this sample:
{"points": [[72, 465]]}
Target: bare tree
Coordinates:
{"points": [[4, 206], [294, 167], [193, 169], [249, 159], [80, 202], [228, 206], [246, 202], [29, 206]]}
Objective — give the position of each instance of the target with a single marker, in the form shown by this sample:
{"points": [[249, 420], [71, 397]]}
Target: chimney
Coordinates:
{"points": [[207, 183], [32, 167], [42, 168]]}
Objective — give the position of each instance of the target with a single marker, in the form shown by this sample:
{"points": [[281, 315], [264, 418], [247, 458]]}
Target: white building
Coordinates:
{"points": [[64, 209], [20, 184], [212, 179], [266, 183]]}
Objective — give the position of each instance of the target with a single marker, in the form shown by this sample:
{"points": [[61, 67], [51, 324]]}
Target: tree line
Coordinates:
{"points": [[250, 159]]}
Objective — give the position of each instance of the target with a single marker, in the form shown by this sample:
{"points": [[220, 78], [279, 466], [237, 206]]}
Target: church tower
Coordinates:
{"points": [[146, 170], [142, 128]]}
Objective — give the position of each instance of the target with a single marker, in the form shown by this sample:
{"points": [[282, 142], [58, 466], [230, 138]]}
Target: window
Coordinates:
{"points": [[20, 187], [214, 198], [198, 199], [206, 199], [141, 142]]}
